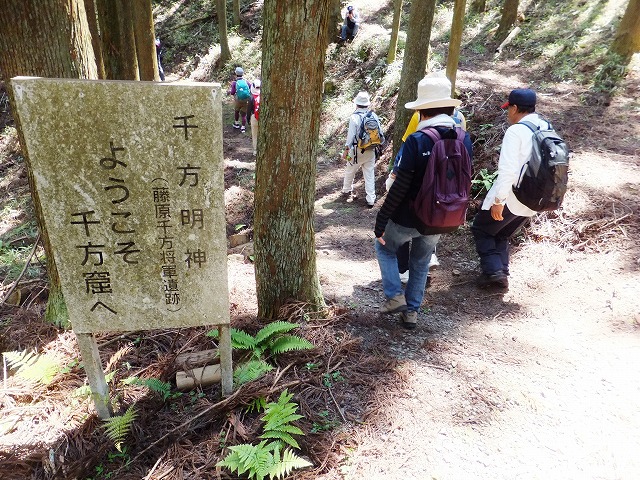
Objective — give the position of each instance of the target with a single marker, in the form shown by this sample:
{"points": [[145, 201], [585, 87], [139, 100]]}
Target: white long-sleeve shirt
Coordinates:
{"points": [[515, 152]]}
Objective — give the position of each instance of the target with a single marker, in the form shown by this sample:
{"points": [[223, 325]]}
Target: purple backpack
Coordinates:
{"points": [[441, 203]]}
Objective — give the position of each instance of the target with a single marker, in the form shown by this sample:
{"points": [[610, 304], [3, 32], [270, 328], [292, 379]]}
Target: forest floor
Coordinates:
{"points": [[540, 382]]}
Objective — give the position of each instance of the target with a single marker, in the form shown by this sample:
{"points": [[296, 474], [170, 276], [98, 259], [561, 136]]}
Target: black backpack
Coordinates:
{"points": [[543, 179], [441, 203]]}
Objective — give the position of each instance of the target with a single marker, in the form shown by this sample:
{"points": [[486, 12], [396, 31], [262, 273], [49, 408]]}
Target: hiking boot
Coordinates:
{"points": [[494, 280], [409, 319], [394, 305], [370, 205], [349, 197], [236, 125], [243, 129]]}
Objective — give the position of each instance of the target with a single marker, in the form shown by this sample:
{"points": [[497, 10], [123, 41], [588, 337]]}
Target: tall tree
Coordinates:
{"points": [[46, 38], [414, 64], [334, 25], [118, 42], [286, 169], [144, 35], [627, 39], [221, 10], [507, 20], [236, 12], [395, 28], [478, 6], [92, 19], [455, 39]]}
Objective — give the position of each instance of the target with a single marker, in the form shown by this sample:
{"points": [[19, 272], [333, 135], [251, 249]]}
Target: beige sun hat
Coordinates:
{"points": [[362, 99], [434, 91]]}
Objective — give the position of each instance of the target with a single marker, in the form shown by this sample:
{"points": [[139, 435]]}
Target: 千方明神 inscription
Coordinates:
{"points": [[134, 207]]}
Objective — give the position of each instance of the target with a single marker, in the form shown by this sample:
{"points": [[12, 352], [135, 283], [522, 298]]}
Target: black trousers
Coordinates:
{"points": [[492, 239]]}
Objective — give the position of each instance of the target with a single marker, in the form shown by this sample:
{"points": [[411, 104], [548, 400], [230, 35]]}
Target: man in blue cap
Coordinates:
{"points": [[502, 215], [351, 24]]}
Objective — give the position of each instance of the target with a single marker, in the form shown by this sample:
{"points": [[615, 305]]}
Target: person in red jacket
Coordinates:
{"points": [[253, 110]]}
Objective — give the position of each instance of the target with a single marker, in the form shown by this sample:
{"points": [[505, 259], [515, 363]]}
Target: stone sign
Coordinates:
{"points": [[130, 179]]}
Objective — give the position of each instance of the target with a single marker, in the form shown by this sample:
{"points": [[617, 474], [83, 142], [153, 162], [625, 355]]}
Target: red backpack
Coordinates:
{"points": [[256, 105], [443, 197]]}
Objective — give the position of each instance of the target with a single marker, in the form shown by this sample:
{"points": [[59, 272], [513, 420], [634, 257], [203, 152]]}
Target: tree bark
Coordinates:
{"points": [[334, 25], [507, 20], [118, 44], [478, 6], [236, 12], [225, 53], [414, 64], [145, 37], [284, 236], [46, 38], [92, 19], [627, 39], [395, 28], [455, 39]]}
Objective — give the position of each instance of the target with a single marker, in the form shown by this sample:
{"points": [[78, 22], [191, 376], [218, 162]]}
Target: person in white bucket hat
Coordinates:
{"points": [[396, 222], [356, 158]]}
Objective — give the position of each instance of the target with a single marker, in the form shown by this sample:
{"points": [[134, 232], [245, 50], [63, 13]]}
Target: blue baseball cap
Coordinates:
{"points": [[523, 97]]}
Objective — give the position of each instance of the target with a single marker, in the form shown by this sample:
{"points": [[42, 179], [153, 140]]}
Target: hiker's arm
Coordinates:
{"points": [[508, 166], [395, 195]]}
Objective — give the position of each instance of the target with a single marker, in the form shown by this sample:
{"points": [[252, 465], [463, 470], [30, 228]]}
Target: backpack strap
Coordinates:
{"points": [[432, 133], [530, 126]]}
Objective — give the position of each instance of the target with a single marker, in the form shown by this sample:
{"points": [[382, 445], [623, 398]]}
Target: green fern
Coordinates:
{"points": [[117, 428], [273, 329], [240, 339], [264, 459], [289, 461], [287, 343], [33, 367], [154, 384], [250, 371], [257, 404]]}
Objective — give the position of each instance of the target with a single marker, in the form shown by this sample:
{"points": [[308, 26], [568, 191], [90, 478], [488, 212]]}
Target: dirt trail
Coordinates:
{"points": [[538, 383]]}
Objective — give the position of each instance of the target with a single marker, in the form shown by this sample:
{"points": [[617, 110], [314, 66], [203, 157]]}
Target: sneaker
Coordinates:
{"points": [[243, 129], [394, 305], [409, 319], [236, 125], [370, 205], [433, 263], [494, 280], [404, 277], [349, 197]]}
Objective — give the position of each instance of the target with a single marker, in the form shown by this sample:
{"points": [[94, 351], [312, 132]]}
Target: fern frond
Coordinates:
{"points": [[33, 367], [256, 405], [287, 343], [274, 328], [116, 428], [239, 338], [257, 460], [290, 461], [154, 384], [249, 371], [284, 437]]}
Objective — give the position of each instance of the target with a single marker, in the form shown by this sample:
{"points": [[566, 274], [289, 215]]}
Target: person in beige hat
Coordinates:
{"points": [[355, 157], [396, 222]]}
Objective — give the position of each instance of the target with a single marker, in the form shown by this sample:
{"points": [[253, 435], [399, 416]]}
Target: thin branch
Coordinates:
{"points": [[26, 265]]}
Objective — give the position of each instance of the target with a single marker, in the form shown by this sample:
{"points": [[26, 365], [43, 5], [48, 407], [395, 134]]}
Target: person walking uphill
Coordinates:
{"points": [[397, 221], [502, 215], [356, 157], [241, 94]]}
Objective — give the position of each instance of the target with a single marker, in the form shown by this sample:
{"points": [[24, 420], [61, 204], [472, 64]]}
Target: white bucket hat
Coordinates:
{"points": [[362, 99], [434, 91], [255, 88]]}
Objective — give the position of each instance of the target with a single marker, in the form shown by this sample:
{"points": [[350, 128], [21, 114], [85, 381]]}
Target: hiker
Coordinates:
{"points": [[355, 157], [159, 54], [253, 110], [396, 222], [241, 94], [351, 24], [502, 215], [403, 251]]}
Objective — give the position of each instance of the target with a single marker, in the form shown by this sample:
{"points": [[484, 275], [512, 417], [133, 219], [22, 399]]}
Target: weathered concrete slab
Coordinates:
{"points": [[130, 177]]}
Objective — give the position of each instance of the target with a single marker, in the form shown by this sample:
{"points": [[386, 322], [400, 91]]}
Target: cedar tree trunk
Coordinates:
{"points": [[455, 39], [395, 29]]}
